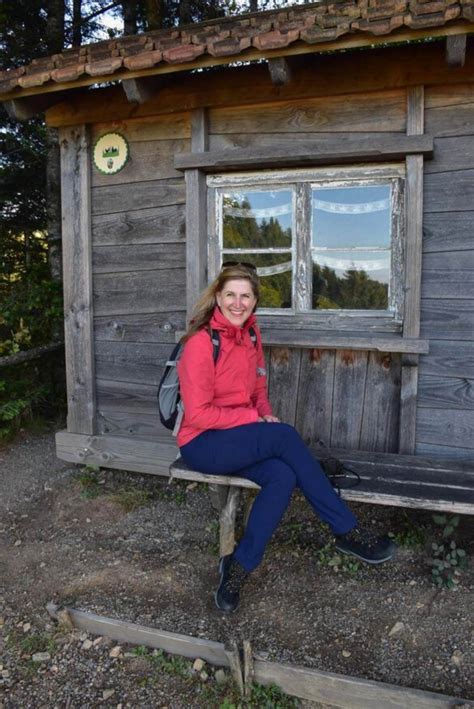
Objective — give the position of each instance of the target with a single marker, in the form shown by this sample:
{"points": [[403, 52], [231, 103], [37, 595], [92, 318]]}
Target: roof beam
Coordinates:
{"points": [[456, 50], [140, 90], [22, 109], [280, 71]]}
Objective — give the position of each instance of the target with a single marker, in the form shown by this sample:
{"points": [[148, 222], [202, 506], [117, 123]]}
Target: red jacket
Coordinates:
{"points": [[227, 393]]}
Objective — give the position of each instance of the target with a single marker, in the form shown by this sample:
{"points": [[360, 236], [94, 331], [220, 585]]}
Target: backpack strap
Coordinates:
{"points": [[253, 337], [216, 343]]}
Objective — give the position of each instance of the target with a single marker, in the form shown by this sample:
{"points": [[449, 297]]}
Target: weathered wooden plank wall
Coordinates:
{"points": [[445, 420], [139, 266], [347, 399]]}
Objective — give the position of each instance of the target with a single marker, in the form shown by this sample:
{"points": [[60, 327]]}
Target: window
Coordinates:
{"points": [[326, 242]]}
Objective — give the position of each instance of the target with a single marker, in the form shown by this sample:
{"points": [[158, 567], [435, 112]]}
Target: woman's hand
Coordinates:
{"points": [[269, 419]]}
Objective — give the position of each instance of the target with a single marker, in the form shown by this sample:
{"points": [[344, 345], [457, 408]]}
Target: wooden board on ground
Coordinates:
{"points": [[348, 692]]}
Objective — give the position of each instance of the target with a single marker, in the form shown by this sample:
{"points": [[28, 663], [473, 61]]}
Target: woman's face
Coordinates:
{"points": [[236, 301]]}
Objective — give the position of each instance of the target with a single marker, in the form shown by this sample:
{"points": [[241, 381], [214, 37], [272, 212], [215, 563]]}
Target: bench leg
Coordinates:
{"points": [[227, 522], [218, 495]]}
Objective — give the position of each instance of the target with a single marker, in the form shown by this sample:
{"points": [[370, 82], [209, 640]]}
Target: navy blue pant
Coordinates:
{"points": [[275, 457]]}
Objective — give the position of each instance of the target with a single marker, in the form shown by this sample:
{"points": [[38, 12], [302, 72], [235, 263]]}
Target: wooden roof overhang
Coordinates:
{"points": [[144, 64]]}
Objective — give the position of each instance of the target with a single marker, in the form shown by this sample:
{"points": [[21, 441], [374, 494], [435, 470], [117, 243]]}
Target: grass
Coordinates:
{"points": [[212, 694], [128, 496], [130, 499]]}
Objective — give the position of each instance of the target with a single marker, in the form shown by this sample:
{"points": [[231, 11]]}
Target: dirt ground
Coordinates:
{"points": [[135, 548]]}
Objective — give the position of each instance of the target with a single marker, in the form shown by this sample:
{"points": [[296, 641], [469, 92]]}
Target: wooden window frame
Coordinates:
{"points": [[301, 182], [313, 329]]}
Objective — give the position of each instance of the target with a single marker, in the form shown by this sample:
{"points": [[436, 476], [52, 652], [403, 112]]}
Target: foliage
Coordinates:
{"points": [[408, 534], [89, 482], [448, 561], [327, 556]]}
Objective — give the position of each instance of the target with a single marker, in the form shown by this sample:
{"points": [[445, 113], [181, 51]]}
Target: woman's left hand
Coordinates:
{"points": [[270, 419]]}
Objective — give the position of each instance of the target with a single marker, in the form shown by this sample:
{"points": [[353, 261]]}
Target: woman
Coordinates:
{"points": [[229, 429]]}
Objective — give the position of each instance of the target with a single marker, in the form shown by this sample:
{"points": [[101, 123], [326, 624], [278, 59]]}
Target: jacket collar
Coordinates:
{"points": [[219, 322]]}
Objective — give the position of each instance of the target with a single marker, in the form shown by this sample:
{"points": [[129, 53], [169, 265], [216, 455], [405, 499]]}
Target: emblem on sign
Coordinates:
{"points": [[110, 153]]}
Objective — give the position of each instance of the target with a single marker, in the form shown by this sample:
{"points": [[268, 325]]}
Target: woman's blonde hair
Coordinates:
{"points": [[204, 308]]}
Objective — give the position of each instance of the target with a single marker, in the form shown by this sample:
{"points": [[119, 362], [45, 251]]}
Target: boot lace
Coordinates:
{"points": [[362, 536]]}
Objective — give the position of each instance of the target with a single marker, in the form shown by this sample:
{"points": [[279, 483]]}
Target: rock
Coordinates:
{"points": [[346, 653], [2, 620], [198, 665], [97, 641], [87, 644], [41, 657], [204, 676], [107, 693], [191, 486], [396, 629], [26, 627], [64, 619], [457, 658], [116, 651], [220, 677], [18, 543]]}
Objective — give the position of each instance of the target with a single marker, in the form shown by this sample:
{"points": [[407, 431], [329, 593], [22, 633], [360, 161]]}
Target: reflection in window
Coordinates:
{"points": [[257, 227], [351, 246]]}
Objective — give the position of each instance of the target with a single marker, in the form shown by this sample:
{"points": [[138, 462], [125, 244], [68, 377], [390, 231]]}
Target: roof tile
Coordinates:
{"points": [[268, 31], [275, 39], [183, 53], [34, 79], [427, 8], [229, 46], [104, 66], [315, 34], [7, 85], [8, 74], [434, 20], [70, 72], [145, 60], [386, 10], [379, 26]]}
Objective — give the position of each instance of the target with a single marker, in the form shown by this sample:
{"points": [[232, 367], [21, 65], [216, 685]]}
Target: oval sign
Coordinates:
{"points": [[110, 153]]}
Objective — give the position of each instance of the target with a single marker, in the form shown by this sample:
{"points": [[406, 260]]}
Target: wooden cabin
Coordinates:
{"points": [[332, 145]]}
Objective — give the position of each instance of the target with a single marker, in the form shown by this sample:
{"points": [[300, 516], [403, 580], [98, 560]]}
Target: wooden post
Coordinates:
{"points": [[248, 668], [77, 270], [196, 214], [227, 522], [233, 656], [414, 235]]}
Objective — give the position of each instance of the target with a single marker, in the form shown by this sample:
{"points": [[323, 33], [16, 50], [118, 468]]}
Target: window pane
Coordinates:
{"points": [[354, 280], [275, 271], [351, 247], [257, 219]]}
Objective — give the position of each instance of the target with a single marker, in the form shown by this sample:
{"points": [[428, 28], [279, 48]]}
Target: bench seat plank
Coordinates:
{"points": [[386, 479]]}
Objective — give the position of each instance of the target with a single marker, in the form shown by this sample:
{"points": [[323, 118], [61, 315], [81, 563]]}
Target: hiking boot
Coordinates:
{"points": [[365, 545], [233, 575]]}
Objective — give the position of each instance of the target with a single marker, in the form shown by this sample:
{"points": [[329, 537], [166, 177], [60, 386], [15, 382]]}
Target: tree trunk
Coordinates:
{"points": [[185, 16], [253, 5], [76, 23], [56, 10], [155, 14], [129, 12]]}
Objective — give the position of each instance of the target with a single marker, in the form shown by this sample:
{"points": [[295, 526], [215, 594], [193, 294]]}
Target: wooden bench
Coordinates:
{"points": [[386, 479]]}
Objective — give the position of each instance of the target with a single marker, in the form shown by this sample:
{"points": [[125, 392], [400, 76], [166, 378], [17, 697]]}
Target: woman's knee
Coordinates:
{"points": [[281, 475]]}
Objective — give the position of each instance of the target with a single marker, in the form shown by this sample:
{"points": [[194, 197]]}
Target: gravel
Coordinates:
{"points": [[75, 538]]}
